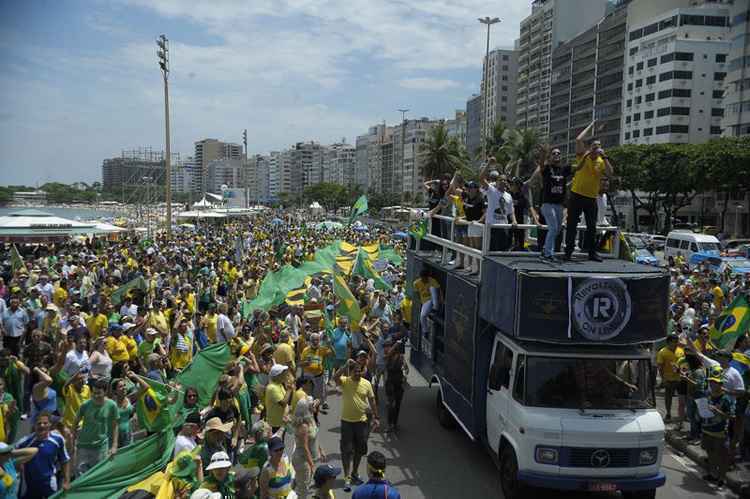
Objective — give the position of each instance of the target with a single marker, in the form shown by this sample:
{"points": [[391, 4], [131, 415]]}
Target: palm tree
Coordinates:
{"points": [[441, 153], [494, 144], [522, 148]]}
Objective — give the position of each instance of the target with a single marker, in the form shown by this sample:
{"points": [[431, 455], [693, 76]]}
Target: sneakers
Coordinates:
{"points": [[356, 480], [347, 484]]}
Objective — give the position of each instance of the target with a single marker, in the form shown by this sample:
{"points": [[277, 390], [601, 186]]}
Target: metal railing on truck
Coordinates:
{"points": [[445, 246]]}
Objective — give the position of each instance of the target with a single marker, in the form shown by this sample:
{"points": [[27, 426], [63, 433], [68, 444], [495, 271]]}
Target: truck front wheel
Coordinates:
{"points": [[512, 487], [445, 418], [640, 494]]}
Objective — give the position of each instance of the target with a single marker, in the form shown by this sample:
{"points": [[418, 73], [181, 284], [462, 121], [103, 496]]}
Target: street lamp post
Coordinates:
{"points": [[403, 144], [737, 208], [163, 54], [489, 21]]}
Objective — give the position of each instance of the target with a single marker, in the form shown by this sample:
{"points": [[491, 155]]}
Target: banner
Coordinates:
{"points": [[730, 325], [118, 295], [16, 260], [360, 207]]}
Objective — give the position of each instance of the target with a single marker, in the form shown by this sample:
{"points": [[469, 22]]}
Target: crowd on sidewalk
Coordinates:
{"points": [[82, 347], [705, 365]]}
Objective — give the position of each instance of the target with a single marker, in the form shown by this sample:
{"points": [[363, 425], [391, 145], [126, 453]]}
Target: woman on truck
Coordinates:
{"points": [[427, 290]]}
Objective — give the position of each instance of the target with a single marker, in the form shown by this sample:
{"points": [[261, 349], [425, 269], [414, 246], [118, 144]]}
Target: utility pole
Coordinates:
{"points": [[246, 167], [489, 21], [163, 54], [403, 140]]}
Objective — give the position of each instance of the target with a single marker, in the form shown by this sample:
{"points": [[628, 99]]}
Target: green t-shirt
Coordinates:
{"points": [[123, 418], [97, 423], [146, 348], [226, 487]]}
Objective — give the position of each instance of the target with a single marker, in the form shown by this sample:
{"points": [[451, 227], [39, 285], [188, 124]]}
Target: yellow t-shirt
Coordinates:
{"points": [[73, 401], [587, 177], [296, 397], [131, 345], [158, 321], [210, 321], [3, 415], [423, 288], [314, 358], [667, 359], [97, 324], [59, 296], [459, 204], [275, 393], [284, 354], [117, 349], [718, 297], [355, 399], [180, 359]]}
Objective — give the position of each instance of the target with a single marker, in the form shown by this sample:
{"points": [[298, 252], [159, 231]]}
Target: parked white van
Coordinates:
{"points": [[693, 247]]}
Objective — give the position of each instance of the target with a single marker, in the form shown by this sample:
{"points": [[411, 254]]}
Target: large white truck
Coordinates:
{"points": [[549, 366]]}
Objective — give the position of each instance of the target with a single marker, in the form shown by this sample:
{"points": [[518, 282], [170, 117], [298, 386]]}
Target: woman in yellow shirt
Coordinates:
{"points": [[209, 323]]}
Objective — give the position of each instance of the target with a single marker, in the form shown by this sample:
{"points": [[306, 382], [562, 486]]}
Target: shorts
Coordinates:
{"points": [[679, 387], [475, 231], [461, 231], [354, 438]]}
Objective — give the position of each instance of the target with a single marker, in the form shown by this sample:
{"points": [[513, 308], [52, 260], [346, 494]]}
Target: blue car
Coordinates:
{"points": [[645, 257]]}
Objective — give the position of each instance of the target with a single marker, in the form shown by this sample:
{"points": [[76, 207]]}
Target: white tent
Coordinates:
{"points": [[37, 226], [316, 209], [203, 204]]}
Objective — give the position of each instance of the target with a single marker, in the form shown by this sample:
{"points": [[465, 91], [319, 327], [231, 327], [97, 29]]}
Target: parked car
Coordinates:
{"points": [[735, 266], [658, 241], [645, 257], [735, 247]]}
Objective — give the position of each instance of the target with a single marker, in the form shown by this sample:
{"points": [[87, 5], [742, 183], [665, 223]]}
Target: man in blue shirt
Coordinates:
{"points": [[40, 474], [377, 485]]}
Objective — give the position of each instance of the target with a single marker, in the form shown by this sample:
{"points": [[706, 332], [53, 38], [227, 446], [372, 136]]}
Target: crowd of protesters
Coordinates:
{"points": [[78, 352]]}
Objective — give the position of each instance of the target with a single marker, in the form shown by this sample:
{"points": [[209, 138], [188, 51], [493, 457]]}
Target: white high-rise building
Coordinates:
{"points": [[225, 172], [407, 155], [550, 23], [501, 74], [676, 53], [339, 162], [736, 120]]}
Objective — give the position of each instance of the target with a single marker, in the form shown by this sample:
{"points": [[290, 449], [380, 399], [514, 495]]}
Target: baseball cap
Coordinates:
{"points": [[277, 369], [205, 494], [472, 185], [494, 174], [361, 353], [324, 472], [219, 460], [275, 443]]}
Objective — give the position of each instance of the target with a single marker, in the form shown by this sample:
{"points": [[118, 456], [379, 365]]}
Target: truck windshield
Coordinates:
{"points": [[570, 383]]}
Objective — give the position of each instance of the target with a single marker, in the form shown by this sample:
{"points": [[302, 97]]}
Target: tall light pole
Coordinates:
{"points": [[489, 21], [246, 169], [403, 144], [163, 54], [737, 208]]}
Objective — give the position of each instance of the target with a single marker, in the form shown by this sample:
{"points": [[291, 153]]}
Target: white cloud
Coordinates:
{"points": [[428, 83]]}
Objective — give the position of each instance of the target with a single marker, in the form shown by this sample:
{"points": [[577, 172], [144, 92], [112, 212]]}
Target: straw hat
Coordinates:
{"points": [[215, 424]]}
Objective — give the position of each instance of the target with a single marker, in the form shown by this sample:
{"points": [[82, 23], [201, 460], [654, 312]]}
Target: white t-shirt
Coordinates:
{"points": [[499, 205], [76, 361], [223, 323]]}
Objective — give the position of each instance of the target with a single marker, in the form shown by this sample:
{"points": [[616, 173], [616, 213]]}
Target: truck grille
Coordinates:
{"points": [[584, 457]]}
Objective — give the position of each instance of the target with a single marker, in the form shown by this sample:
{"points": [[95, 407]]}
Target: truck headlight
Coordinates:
{"points": [[648, 456], [546, 455]]}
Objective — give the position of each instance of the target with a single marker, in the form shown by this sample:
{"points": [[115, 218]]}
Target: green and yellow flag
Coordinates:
{"points": [[153, 408], [119, 294], [363, 267], [359, 207], [348, 305], [16, 260], [733, 323], [419, 230]]}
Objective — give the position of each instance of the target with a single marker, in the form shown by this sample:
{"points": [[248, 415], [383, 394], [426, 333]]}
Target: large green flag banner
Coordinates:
{"points": [[119, 294], [363, 267], [204, 371], [348, 305], [156, 407], [359, 207], [733, 323], [16, 261], [131, 464]]}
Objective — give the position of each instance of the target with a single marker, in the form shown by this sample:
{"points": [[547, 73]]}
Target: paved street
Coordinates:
{"points": [[427, 461]]}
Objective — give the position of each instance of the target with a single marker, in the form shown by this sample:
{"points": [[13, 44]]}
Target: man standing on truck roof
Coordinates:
{"points": [[590, 165], [666, 361], [499, 205], [427, 290]]}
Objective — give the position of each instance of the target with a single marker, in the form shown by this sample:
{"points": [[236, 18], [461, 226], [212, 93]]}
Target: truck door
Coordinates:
{"points": [[498, 392]]}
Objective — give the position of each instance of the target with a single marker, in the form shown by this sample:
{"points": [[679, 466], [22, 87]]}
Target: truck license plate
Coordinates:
{"points": [[602, 487]]}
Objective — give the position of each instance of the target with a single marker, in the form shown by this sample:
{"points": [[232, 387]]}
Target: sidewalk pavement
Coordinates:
{"points": [[737, 480]]}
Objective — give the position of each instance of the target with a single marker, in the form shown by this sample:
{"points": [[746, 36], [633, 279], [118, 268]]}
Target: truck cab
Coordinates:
{"points": [[547, 365]]}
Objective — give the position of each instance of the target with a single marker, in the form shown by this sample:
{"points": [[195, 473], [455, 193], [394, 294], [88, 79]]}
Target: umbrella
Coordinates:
{"points": [[277, 221], [360, 228], [401, 235], [329, 225]]}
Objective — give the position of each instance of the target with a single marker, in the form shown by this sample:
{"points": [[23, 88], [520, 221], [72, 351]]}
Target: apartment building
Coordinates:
{"points": [[408, 139], [339, 164], [500, 71], [207, 150], [551, 22], [676, 59], [474, 126], [586, 83], [736, 120]]}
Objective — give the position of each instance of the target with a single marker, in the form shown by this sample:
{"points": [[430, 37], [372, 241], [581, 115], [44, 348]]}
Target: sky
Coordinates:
{"points": [[79, 80]]}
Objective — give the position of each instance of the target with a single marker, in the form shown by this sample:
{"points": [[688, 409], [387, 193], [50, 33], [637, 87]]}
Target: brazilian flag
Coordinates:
{"points": [[153, 407], [359, 208], [419, 230], [348, 305], [16, 260], [733, 323], [363, 267]]}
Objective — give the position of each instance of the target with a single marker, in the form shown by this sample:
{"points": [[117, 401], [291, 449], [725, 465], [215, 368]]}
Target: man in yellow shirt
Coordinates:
{"points": [[276, 397], [427, 290], [311, 361], [357, 402], [591, 165], [667, 361], [96, 323], [284, 353], [717, 294]]}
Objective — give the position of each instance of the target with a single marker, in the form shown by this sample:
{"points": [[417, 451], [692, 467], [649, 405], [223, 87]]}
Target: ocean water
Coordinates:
{"points": [[71, 213]]}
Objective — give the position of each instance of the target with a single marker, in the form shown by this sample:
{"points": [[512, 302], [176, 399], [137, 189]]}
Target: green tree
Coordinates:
{"points": [[628, 165], [442, 154], [727, 163], [495, 143], [522, 147]]}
